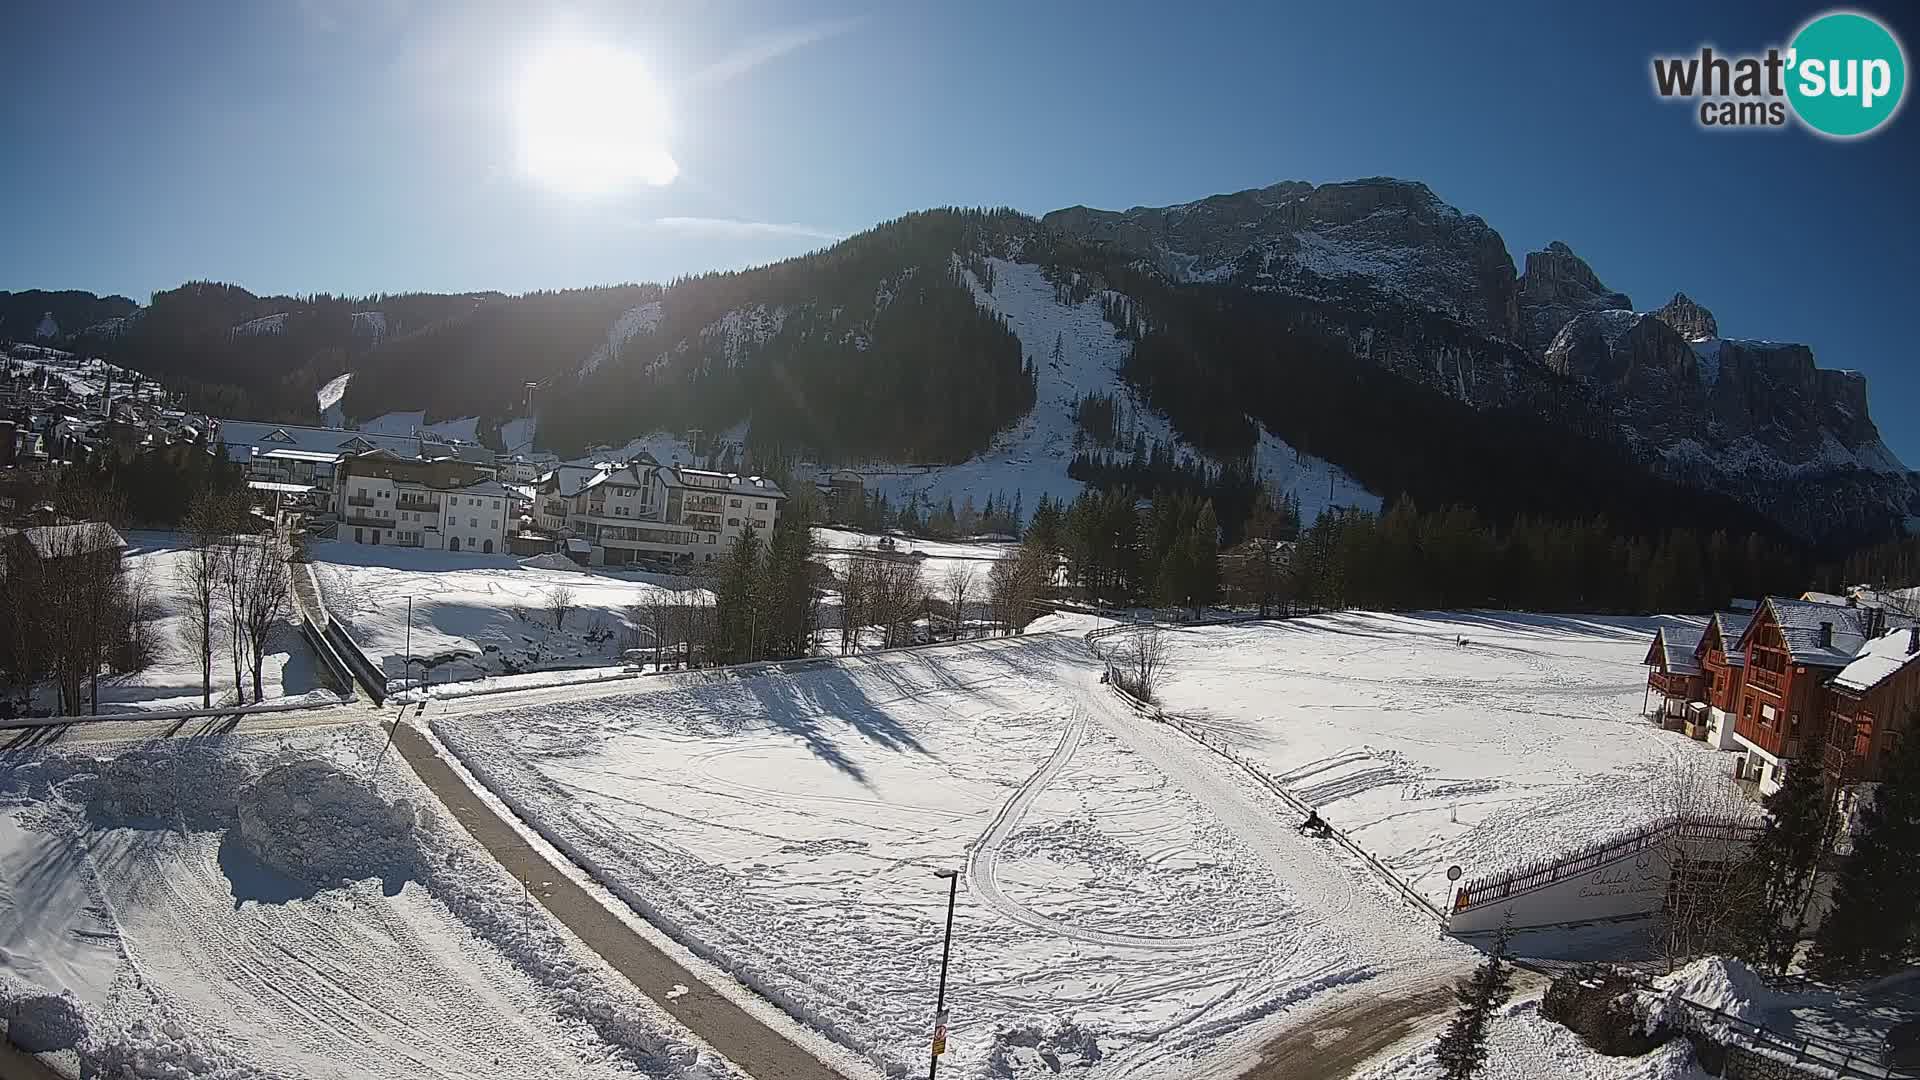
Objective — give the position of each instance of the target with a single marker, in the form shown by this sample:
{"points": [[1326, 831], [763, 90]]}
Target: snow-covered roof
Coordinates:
{"points": [[678, 476], [571, 480], [484, 489], [1673, 647], [1880, 659], [1802, 624], [245, 437], [85, 538], [1732, 627]]}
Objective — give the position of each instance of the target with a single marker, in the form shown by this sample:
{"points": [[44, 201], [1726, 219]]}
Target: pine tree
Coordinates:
{"points": [[1463, 1048], [737, 613], [1766, 928], [1875, 919]]}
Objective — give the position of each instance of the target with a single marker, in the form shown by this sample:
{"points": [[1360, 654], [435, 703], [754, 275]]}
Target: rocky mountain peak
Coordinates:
{"points": [[1379, 235], [1557, 286], [1694, 322]]}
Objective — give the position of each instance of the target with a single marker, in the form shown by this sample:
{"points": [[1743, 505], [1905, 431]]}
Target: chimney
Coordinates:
{"points": [[1826, 635], [1876, 622]]}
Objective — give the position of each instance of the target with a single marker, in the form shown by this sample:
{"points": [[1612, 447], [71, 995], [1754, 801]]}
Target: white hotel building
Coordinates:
{"points": [[651, 513], [383, 498]]}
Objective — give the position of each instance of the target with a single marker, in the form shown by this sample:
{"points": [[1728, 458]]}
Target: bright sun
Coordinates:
{"points": [[591, 122]]}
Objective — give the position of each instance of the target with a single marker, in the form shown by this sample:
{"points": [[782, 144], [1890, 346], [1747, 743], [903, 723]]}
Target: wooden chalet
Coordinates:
{"points": [[1874, 704]]}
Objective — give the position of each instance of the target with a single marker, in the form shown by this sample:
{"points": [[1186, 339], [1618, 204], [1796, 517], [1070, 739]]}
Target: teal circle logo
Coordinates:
{"points": [[1846, 74]]}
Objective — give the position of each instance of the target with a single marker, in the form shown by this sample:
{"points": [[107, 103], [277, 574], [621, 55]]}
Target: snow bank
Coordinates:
{"points": [[316, 824], [1035, 1049], [1718, 982], [552, 560], [38, 1023]]}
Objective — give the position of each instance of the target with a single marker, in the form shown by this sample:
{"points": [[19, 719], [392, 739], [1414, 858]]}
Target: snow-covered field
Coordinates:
{"points": [[1525, 740], [474, 615], [85, 377], [938, 559], [248, 906], [172, 680], [1125, 902]]}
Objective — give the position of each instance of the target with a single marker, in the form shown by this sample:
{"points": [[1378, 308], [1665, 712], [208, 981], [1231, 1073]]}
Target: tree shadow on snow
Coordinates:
{"points": [[798, 705]]}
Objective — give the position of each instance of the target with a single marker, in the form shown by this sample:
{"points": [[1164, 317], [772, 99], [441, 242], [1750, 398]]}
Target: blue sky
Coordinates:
{"points": [[377, 145]]}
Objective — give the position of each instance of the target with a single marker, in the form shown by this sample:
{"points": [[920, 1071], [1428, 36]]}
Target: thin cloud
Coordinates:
{"points": [[768, 47], [734, 227]]}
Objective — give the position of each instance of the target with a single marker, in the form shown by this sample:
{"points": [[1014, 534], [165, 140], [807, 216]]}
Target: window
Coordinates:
{"points": [[451, 522], [733, 522], [359, 493], [473, 523], [733, 502], [496, 504], [761, 505], [494, 524]]}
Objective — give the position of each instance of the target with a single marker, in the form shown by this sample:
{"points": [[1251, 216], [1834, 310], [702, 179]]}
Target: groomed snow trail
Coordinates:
{"points": [[1380, 946]]}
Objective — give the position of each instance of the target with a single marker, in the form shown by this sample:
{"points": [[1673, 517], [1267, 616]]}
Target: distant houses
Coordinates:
{"points": [[1830, 683]]}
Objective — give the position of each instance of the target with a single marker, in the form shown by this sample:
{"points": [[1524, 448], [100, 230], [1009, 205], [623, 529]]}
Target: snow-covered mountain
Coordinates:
{"points": [[1756, 420]]}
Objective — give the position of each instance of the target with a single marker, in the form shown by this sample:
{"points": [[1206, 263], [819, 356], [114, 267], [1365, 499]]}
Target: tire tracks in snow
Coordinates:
{"points": [[983, 866]]}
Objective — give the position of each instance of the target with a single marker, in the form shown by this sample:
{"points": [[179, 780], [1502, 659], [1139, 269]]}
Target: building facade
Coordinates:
{"points": [[646, 513], [444, 503], [1795, 682]]}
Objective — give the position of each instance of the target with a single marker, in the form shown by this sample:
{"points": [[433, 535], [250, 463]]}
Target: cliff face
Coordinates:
{"points": [[1380, 236], [1756, 419], [1556, 286]]}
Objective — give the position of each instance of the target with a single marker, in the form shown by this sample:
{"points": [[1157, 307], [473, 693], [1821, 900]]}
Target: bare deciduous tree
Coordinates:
{"points": [[1142, 660], [1015, 583], [1706, 875], [198, 578], [559, 602], [961, 582], [264, 599]]}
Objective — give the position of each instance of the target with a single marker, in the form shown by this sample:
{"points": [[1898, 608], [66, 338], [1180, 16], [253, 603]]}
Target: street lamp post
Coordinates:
{"points": [[946, 952]]}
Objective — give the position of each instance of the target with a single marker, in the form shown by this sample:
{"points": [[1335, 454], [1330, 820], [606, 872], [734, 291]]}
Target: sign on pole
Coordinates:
{"points": [[940, 1033]]}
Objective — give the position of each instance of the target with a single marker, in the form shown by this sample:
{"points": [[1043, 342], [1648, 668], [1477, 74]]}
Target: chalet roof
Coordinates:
{"points": [[571, 480], [1732, 627], [1800, 625], [84, 538], [1674, 647], [1880, 659]]}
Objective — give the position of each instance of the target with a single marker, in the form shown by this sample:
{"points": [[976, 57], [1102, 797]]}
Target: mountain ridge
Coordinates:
{"points": [[1379, 273]]}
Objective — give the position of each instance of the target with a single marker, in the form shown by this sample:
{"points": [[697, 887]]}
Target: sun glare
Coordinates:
{"points": [[591, 122]]}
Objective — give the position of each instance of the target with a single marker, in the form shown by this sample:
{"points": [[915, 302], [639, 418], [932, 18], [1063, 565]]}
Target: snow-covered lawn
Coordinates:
{"points": [[1525, 740], [1123, 897], [249, 906], [475, 615], [172, 680], [938, 559]]}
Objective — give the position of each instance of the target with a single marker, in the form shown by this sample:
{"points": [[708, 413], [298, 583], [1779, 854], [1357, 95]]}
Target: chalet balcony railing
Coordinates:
{"points": [[702, 502], [1766, 679], [700, 521], [1843, 761], [360, 519], [357, 500], [417, 504], [1672, 684]]}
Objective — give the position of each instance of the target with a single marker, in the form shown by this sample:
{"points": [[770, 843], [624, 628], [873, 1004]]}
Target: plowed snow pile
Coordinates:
{"points": [[316, 824], [268, 906]]}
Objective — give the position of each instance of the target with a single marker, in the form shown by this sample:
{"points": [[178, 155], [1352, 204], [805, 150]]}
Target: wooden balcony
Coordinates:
{"points": [[1843, 762], [356, 500], [1674, 685], [1773, 682]]}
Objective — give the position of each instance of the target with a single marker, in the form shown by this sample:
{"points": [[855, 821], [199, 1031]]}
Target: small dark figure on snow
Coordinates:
{"points": [[1314, 823], [1104, 674]]}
